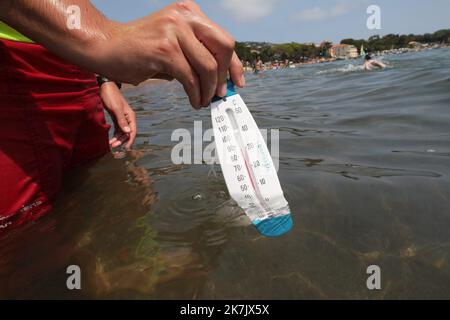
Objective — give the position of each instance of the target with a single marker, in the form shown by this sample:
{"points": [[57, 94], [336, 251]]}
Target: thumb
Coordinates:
{"points": [[122, 122]]}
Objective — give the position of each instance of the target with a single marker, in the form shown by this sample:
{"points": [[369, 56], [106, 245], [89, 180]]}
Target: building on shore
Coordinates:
{"points": [[344, 51], [417, 45]]}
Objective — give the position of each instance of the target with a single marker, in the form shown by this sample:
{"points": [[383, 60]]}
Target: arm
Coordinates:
{"points": [[178, 41], [45, 21]]}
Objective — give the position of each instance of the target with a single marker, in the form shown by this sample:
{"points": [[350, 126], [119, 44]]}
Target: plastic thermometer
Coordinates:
{"points": [[247, 165]]}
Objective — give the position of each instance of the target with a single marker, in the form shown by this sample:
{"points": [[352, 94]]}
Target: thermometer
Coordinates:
{"points": [[247, 165]]}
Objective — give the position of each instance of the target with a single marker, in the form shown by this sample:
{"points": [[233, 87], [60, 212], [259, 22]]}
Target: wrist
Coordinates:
{"points": [[103, 81]]}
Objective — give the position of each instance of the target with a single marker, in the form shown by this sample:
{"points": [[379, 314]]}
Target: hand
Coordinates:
{"points": [[178, 41], [123, 116]]}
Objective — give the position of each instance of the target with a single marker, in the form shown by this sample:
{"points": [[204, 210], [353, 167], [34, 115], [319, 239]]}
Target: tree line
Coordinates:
{"points": [[297, 52], [395, 41], [286, 51]]}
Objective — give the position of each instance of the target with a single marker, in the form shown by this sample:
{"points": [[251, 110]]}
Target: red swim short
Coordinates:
{"points": [[51, 119]]}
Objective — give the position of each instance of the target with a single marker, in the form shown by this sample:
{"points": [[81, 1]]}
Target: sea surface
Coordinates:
{"points": [[364, 161]]}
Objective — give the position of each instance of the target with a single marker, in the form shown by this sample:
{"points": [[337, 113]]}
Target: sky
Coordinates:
{"points": [[280, 21]]}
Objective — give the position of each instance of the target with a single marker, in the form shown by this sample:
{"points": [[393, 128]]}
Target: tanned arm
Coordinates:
{"points": [[46, 22]]}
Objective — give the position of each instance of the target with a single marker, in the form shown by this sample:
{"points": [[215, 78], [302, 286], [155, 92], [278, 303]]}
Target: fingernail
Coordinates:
{"points": [[127, 129]]}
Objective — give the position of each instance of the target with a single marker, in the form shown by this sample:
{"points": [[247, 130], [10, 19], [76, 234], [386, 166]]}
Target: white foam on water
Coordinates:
{"points": [[346, 69]]}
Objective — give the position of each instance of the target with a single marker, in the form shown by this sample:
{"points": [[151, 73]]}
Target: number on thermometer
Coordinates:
{"points": [[219, 119]]}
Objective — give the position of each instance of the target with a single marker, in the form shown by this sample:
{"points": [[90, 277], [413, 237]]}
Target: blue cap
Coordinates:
{"points": [[230, 91], [275, 227]]}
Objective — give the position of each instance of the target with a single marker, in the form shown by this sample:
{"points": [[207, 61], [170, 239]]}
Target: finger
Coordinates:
{"points": [[183, 72], [202, 62], [133, 133], [121, 139], [122, 121], [237, 71], [116, 144], [112, 140], [220, 44]]}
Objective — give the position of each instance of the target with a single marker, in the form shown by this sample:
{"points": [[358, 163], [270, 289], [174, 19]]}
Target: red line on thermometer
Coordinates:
{"points": [[248, 172]]}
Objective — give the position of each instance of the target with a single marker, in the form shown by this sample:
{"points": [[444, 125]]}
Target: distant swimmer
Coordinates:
{"points": [[370, 62], [257, 65]]}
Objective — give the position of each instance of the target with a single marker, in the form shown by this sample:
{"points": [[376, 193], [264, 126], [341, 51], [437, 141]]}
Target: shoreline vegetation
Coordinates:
{"points": [[259, 56], [262, 56]]}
